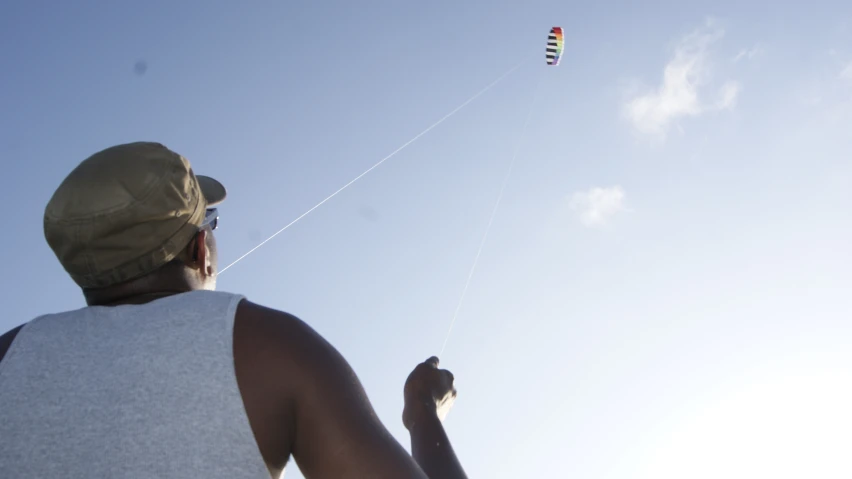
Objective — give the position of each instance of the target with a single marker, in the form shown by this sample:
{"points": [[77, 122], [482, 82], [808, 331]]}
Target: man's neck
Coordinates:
{"points": [[137, 298]]}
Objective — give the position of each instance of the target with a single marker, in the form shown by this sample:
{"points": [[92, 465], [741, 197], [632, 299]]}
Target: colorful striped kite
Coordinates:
{"points": [[554, 46]]}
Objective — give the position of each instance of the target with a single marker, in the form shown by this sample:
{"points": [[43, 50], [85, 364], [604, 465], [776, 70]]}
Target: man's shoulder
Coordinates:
{"points": [[280, 346], [273, 329], [258, 316]]}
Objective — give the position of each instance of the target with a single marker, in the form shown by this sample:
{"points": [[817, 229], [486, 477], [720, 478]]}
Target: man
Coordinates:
{"points": [[160, 376]]}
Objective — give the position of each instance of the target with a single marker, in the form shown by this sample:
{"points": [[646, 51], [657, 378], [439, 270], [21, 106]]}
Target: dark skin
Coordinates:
{"points": [[301, 396]]}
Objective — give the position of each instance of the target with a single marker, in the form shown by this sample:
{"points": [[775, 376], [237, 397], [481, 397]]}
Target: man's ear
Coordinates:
{"points": [[201, 255]]}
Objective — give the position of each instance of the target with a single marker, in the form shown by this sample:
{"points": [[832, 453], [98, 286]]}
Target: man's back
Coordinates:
{"points": [[128, 391]]}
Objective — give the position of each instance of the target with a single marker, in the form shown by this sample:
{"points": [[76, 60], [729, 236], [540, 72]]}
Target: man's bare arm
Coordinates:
{"points": [[429, 395], [335, 431]]}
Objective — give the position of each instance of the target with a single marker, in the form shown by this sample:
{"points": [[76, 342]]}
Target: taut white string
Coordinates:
{"points": [[427, 130], [491, 219]]}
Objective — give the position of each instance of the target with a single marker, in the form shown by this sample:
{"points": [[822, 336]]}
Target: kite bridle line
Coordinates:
{"points": [[520, 142]]}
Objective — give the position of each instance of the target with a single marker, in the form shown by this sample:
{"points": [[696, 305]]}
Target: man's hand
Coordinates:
{"points": [[429, 395], [429, 391]]}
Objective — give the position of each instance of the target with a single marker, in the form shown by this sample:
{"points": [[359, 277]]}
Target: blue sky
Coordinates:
{"points": [[664, 290]]}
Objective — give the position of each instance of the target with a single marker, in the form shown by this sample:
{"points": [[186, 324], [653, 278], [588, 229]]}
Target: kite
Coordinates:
{"points": [[554, 46]]}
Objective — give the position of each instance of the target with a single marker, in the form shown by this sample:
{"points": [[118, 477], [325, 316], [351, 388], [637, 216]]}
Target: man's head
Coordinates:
{"points": [[135, 213]]}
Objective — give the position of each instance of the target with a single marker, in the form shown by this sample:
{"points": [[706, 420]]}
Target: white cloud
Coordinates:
{"points": [[728, 96], [829, 89], [598, 205], [684, 76], [747, 54], [846, 73]]}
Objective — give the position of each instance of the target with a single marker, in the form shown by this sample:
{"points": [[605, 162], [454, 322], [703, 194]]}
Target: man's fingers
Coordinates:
{"points": [[433, 361]]}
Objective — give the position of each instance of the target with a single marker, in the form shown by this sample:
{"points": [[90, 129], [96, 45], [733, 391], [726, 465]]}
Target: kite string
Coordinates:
{"points": [[493, 214], [427, 130]]}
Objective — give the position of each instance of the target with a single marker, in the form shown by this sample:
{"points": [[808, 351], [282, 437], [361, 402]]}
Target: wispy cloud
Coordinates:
{"points": [[728, 96], [846, 73], [685, 76], [596, 206], [747, 54], [829, 88]]}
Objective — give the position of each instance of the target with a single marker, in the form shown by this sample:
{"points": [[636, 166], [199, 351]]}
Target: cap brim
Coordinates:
{"points": [[214, 192]]}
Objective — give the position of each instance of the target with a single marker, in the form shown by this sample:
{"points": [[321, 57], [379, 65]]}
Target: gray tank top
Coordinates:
{"points": [[136, 391]]}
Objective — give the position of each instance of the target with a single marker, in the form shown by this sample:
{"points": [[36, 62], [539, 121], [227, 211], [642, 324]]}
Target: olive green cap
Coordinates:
{"points": [[126, 211]]}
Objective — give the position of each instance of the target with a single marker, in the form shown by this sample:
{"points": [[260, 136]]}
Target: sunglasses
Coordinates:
{"points": [[211, 219]]}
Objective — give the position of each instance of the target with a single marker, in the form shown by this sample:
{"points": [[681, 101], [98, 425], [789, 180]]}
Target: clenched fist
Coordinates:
{"points": [[428, 391]]}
